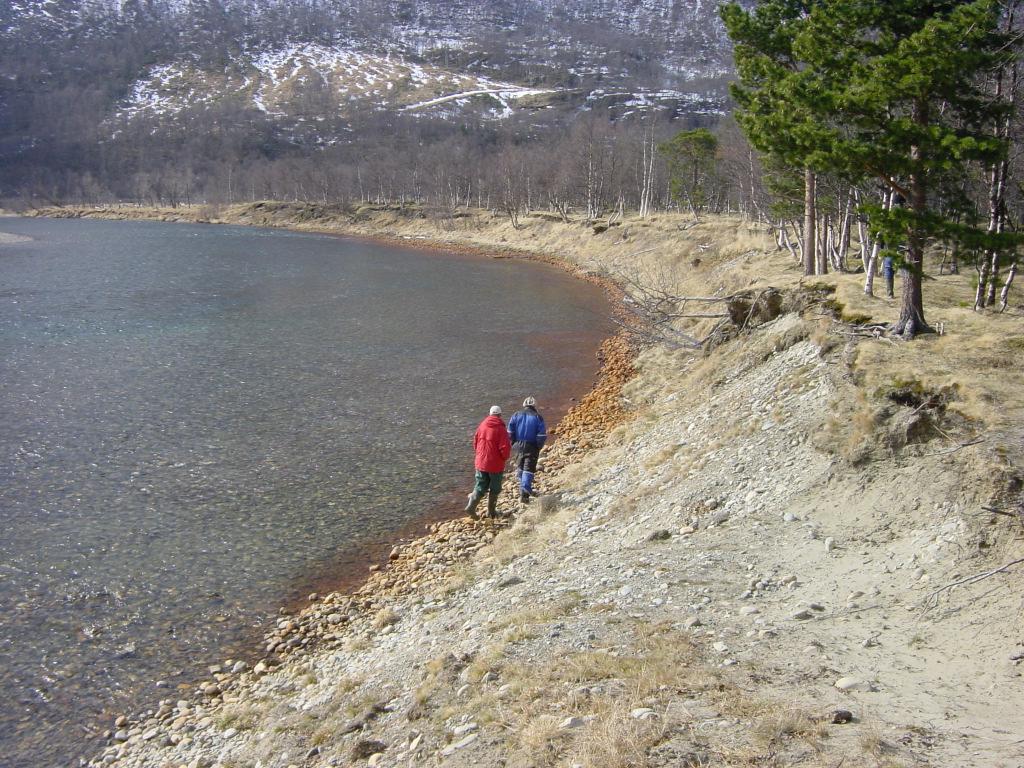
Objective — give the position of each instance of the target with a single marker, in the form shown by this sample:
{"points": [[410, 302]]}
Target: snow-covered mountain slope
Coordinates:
{"points": [[315, 71], [309, 80]]}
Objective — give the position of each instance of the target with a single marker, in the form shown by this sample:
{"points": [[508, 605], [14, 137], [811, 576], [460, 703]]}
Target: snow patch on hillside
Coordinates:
{"points": [[307, 79]]}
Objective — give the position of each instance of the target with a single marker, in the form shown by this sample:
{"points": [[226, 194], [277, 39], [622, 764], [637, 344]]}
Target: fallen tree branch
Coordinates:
{"points": [[1018, 515], [955, 448], [933, 596], [668, 335], [699, 315]]}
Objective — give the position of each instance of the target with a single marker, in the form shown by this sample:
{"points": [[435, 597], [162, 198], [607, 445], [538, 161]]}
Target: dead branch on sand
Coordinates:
{"points": [[933, 597]]}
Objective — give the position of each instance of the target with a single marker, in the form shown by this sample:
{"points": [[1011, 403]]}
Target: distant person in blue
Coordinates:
{"points": [[888, 272], [527, 432]]}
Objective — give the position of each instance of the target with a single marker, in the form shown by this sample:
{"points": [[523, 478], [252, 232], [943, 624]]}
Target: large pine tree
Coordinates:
{"points": [[893, 91], [767, 110]]}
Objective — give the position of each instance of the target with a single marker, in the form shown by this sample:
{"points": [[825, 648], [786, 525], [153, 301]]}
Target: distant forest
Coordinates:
{"points": [[62, 84]]}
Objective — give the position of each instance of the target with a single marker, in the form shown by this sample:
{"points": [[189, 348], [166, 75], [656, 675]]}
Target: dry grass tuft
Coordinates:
{"points": [[385, 617], [615, 739], [784, 726], [240, 716]]}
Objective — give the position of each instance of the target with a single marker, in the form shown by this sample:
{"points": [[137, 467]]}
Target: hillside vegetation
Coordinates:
{"points": [[797, 544]]}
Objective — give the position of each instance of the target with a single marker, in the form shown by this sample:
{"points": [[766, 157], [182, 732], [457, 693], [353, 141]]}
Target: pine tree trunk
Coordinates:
{"points": [[911, 321], [810, 217]]}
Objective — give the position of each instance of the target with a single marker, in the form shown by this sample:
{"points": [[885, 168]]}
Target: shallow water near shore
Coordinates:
{"points": [[198, 420]]}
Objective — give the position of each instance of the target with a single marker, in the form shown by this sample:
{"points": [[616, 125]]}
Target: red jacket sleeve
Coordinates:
{"points": [[506, 445]]}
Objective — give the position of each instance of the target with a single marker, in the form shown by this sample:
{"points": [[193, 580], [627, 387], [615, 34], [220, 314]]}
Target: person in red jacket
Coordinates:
{"points": [[492, 448]]}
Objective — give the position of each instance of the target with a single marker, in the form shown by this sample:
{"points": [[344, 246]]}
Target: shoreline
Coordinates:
{"points": [[389, 569]]}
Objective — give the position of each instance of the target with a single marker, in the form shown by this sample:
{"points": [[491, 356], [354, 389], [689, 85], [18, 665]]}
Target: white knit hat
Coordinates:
{"points": [[495, 410], [529, 402]]}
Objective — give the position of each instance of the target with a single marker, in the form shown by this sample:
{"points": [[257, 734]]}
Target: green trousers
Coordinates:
{"points": [[486, 483]]}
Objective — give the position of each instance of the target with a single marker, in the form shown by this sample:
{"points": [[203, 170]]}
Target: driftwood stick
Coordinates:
{"points": [[714, 332], [1018, 515], [955, 448], [686, 316], [933, 596]]}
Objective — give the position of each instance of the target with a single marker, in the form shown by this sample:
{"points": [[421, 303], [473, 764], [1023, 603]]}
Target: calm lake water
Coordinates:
{"points": [[197, 423]]}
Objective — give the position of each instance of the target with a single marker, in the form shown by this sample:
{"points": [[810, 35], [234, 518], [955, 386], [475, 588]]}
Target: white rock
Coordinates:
{"points": [[643, 713], [462, 730], [720, 647], [571, 722], [749, 610], [453, 748], [851, 684], [830, 544]]}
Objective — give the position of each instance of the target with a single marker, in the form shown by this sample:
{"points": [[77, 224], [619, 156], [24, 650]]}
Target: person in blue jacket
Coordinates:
{"points": [[527, 432], [888, 272]]}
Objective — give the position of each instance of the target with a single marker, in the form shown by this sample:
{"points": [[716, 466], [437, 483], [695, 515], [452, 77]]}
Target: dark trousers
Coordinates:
{"points": [[526, 465]]}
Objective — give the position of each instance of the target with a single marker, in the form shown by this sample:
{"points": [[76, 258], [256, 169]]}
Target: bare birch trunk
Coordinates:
{"points": [[1004, 296], [753, 187], [785, 241], [989, 273], [821, 254], [647, 172], [871, 268], [844, 234], [810, 217]]}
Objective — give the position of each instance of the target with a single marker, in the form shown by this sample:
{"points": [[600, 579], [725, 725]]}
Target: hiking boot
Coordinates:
{"points": [[524, 498], [492, 505], [472, 501]]}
